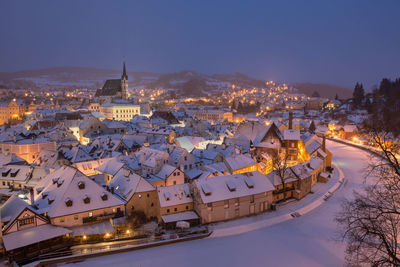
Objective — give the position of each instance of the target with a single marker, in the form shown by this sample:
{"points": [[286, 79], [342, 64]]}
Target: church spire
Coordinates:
{"points": [[124, 73]]}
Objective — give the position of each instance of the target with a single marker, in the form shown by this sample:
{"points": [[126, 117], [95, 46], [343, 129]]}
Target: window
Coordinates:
{"points": [[76, 217], [90, 214], [236, 202], [26, 221], [148, 195], [167, 210], [187, 207], [61, 220], [152, 204], [140, 196], [174, 182], [175, 209], [252, 199], [185, 157], [226, 204]]}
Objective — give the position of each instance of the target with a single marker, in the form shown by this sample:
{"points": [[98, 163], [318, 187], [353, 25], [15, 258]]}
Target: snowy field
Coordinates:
{"points": [[308, 240]]}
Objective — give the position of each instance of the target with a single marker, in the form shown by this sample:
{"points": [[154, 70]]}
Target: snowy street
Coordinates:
{"points": [[303, 241]]}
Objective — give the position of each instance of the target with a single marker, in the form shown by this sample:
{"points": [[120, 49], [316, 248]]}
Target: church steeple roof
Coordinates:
{"points": [[124, 75]]}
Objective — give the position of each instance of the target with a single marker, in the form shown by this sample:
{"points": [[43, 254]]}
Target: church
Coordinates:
{"points": [[115, 88]]}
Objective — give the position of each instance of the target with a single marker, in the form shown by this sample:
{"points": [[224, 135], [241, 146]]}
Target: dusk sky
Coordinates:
{"points": [[336, 42]]}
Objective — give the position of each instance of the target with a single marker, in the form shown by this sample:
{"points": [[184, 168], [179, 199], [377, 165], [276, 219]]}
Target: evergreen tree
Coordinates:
{"points": [[358, 95]]}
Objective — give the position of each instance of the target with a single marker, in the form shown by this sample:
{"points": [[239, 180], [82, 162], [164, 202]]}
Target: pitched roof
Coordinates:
{"points": [[62, 185], [232, 186]]}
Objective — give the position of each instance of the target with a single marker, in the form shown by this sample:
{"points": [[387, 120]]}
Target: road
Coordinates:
{"points": [[309, 240]]}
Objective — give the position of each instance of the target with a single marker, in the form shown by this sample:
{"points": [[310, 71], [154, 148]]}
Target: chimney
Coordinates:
{"points": [[290, 120], [31, 195], [323, 143]]}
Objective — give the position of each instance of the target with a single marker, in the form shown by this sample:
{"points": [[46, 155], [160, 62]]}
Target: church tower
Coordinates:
{"points": [[124, 83]]}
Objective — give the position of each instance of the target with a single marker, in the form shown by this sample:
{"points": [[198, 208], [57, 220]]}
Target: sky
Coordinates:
{"points": [[337, 42]]}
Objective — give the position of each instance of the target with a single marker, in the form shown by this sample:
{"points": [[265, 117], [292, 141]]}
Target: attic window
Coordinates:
{"points": [[167, 196], [50, 200], [39, 189], [68, 202], [44, 195], [231, 185], [5, 172], [55, 180], [104, 196], [86, 199], [60, 182], [81, 185], [249, 182], [14, 172], [206, 189]]}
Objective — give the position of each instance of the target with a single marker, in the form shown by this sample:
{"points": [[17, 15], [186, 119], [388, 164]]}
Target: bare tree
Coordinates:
{"points": [[280, 166], [370, 223]]}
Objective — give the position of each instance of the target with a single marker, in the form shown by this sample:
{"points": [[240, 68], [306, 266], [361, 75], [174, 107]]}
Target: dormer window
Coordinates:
{"points": [[39, 189], [81, 185], [55, 180], [104, 196], [86, 199], [44, 195], [60, 182], [68, 202]]}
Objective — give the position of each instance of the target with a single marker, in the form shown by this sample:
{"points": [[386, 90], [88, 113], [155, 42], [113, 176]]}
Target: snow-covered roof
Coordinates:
{"points": [[63, 185], [32, 235], [110, 167], [350, 128], [216, 188], [126, 184], [166, 171], [174, 195], [239, 162], [180, 216], [12, 208]]}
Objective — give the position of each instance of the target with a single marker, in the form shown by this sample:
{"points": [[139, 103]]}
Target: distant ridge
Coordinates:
{"points": [[324, 90], [189, 82]]}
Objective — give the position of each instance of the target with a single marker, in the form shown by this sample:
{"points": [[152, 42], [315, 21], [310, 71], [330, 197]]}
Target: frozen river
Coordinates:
{"points": [[304, 241]]}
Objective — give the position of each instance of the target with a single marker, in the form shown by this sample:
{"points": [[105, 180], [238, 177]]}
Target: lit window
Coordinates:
{"points": [[90, 214]]}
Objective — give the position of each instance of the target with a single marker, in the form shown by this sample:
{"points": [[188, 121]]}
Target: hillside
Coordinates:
{"points": [[325, 90]]}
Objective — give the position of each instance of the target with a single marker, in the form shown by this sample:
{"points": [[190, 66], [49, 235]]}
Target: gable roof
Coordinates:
{"points": [[126, 184], [12, 208]]}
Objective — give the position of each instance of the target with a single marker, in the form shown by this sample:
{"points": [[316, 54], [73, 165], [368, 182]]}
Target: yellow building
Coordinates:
{"points": [[120, 111], [213, 115]]}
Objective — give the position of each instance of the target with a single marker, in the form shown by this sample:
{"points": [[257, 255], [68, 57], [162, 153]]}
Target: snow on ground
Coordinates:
{"points": [[308, 240]]}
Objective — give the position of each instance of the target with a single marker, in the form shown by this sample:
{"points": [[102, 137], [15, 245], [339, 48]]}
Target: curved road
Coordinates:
{"points": [[305, 241]]}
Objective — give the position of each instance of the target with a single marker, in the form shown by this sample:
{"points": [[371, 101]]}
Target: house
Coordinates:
{"points": [[168, 175], [241, 164], [175, 200], [232, 196], [19, 177], [25, 232], [151, 160], [138, 194], [69, 198], [348, 131]]}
